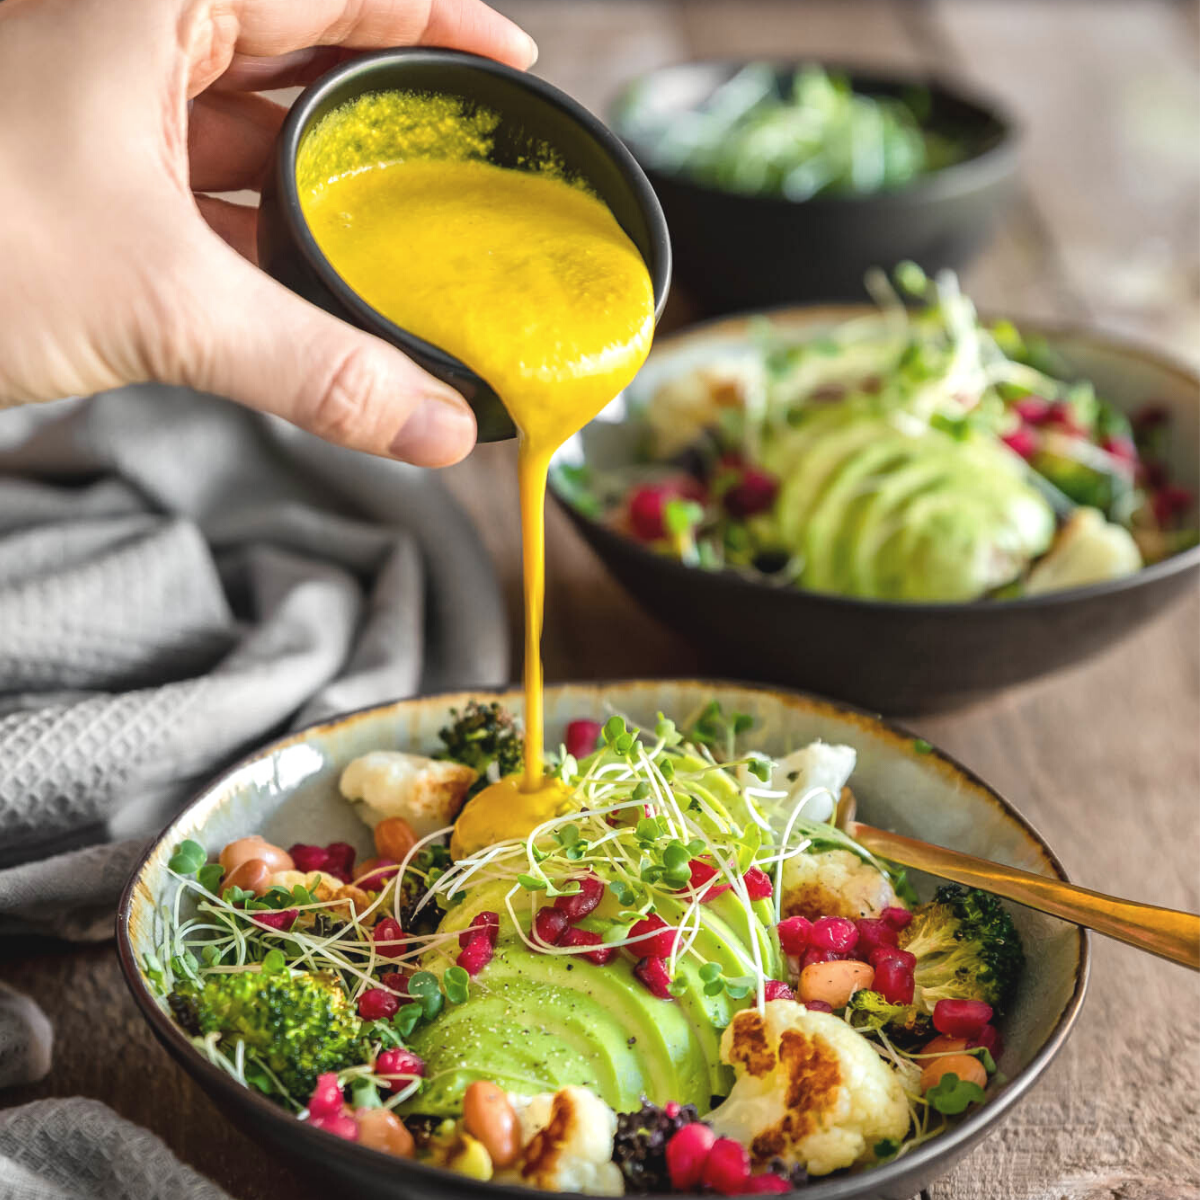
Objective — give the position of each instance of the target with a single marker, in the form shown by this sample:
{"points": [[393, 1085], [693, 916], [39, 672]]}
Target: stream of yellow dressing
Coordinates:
{"points": [[523, 275]]}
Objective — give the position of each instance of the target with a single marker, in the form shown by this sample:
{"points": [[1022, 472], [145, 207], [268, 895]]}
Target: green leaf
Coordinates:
{"points": [[257, 1077], [364, 1094], [904, 888], [682, 516], [666, 768], [886, 1148], [760, 768], [666, 732], [385, 1033], [153, 969], [951, 1095], [614, 728], [188, 858], [235, 895], [696, 846], [406, 1020], [211, 955], [921, 746], [678, 986], [277, 898], [568, 835], [209, 877], [675, 855], [623, 891], [424, 988], [711, 971], [714, 987], [274, 963], [532, 884], [301, 895], [641, 792], [457, 984], [985, 1056], [741, 987]]}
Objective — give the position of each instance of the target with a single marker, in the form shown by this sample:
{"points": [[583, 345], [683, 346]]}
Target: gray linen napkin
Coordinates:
{"points": [[180, 579]]}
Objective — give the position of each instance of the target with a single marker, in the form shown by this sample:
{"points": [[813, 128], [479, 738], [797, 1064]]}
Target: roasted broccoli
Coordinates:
{"points": [[967, 948], [297, 1025], [483, 734], [869, 1010]]}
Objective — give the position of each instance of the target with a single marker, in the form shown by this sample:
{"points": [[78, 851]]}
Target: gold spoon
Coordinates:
{"points": [[1163, 931]]}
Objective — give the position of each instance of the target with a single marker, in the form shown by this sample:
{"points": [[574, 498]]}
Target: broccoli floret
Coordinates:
{"points": [[483, 734], [298, 1025], [967, 948], [905, 1022]]}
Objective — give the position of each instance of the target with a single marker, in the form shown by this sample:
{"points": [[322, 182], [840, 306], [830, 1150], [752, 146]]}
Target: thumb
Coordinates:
{"points": [[265, 347]]}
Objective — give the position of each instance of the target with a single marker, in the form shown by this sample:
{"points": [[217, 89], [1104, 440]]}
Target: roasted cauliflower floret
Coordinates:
{"points": [[834, 883], [809, 1090], [425, 792], [1088, 549], [568, 1140], [684, 407], [816, 774]]}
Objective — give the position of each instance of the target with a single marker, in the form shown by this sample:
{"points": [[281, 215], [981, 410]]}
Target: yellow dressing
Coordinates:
{"points": [[523, 275]]}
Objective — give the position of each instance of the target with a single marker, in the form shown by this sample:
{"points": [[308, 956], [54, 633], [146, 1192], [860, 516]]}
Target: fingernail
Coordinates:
{"points": [[533, 53], [439, 431]]}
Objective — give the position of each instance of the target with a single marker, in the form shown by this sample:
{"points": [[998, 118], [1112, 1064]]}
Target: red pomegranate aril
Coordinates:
{"points": [[833, 933], [794, 934], [1022, 441], [549, 925], [686, 1154], [818, 1006], [776, 989], [378, 1004], [396, 982], [399, 1067], [309, 858], [702, 873], [661, 945], [476, 954], [340, 857], [897, 918], [766, 1185], [484, 922], [326, 1097], [375, 880], [582, 737], [754, 493], [672, 1108], [389, 938], [989, 1038], [1169, 501], [814, 954], [339, 1124], [647, 505], [873, 932], [727, 1167], [882, 954], [1120, 447], [1062, 417], [653, 973], [583, 937], [283, 921], [758, 884], [1033, 409], [894, 981], [579, 904], [961, 1018]]}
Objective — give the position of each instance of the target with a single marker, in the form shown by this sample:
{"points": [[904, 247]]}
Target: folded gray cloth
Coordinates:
{"points": [[180, 580]]}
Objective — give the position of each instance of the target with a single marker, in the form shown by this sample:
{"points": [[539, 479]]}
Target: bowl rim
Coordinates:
{"points": [[361, 68], [738, 323], [988, 165], [958, 1138]]}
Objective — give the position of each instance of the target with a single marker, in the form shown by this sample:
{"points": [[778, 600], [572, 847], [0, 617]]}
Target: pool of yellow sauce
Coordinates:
{"points": [[523, 275]]}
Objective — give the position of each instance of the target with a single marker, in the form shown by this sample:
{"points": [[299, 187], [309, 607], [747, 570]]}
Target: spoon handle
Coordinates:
{"points": [[1163, 931]]}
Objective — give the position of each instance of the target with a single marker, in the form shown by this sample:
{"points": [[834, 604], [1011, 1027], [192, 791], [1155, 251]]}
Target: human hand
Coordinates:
{"points": [[115, 268]]}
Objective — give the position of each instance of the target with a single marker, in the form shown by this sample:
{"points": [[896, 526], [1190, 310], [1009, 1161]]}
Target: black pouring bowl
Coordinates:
{"points": [[736, 251], [533, 117]]}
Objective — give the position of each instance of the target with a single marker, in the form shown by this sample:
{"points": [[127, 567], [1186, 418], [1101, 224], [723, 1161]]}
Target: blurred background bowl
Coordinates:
{"points": [[888, 656], [736, 251]]}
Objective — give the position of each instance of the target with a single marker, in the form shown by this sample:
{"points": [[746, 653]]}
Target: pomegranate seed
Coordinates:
{"points": [[1033, 409], [662, 945], [758, 884], [793, 934], [577, 906], [1169, 501], [961, 1018], [686, 1153], [814, 954], [549, 925], [833, 933], [283, 921], [646, 505], [1021, 441], [389, 938], [873, 932], [766, 1185], [653, 973], [484, 922], [1062, 416], [396, 982], [378, 1004], [339, 1124], [727, 1167], [897, 918], [326, 1097], [672, 1108], [582, 937], [775, 989], [582, 737], [894, 981], [1120, 447], [340, 857], [754, 493], [818, 1006], [375, 880], [702, 872], [882, 954], [309, 858], [476, 954], [399, 1067], [988, 1037]]}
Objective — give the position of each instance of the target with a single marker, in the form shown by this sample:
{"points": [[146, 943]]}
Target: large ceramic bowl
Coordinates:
{"points": [[288, 792], [736, 251], [890, 657]]}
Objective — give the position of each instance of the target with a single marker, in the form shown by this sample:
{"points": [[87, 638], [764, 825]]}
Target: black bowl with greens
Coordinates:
{"points": [[786, 182]]}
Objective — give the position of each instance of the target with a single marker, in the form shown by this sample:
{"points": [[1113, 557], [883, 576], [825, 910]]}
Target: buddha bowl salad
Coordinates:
{"points": [[916, 454], [683, 977]]}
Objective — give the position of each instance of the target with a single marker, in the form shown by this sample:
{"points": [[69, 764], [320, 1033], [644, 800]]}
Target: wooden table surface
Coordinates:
{"points": [[1104, 759]]}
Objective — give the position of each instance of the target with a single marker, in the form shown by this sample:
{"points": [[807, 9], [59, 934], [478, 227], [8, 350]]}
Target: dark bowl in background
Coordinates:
{"points": [[736, 251], [532, 113], [891, 657]]}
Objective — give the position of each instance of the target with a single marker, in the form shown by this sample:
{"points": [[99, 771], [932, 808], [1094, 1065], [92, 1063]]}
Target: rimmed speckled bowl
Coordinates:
{"points": [[288, 793]]}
